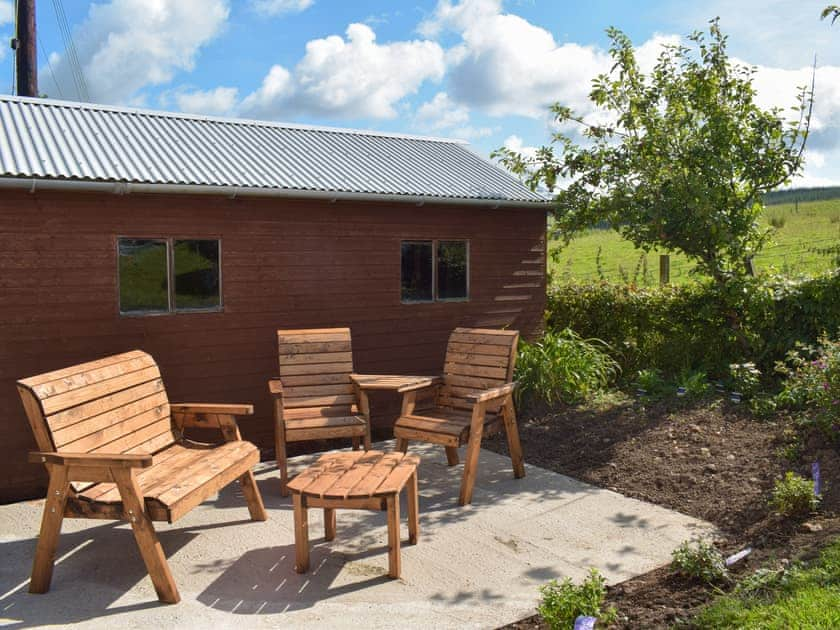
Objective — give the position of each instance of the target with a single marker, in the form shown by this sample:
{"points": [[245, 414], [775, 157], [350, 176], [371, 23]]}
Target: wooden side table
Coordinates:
{"points": [[359, 480]]}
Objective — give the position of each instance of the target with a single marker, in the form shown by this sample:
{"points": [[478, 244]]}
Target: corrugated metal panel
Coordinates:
{"points": [[44, 138]]}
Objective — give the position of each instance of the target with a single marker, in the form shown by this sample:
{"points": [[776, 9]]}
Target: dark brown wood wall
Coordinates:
{"points": [[285, 264]]}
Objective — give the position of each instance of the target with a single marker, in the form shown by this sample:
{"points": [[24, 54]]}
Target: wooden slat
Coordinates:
{"points": [[314, 379], [432, 425], [324, 473], [136, 441], [444, 439], [476, 359], [319, 412], [301, 435], [316, 358], [368, 486], [344, 486], [477, 383], [56, 375], [344, 400], [399, 476], [467, 369], [324, 422], [290, 349], [60, 402], [315, 368], [318, 390], [86, 378], [121, 428], [479, 348], [482, 338], [62, 419]]}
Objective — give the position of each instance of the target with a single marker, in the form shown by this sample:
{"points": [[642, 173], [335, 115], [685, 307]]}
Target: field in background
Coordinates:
{"points": [[801, 230]]}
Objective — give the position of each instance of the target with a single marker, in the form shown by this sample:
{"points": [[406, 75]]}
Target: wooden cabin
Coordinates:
{"points": [[196, 238]]}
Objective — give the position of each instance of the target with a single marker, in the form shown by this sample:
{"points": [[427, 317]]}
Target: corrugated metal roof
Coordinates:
{"points": [[59, 140]]}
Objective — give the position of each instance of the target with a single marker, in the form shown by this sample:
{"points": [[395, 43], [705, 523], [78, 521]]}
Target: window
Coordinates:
{"points": [[168, 275], [434, 270]]}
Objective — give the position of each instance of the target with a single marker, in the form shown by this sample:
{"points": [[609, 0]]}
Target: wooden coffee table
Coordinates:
{"points": [[357, 480]]}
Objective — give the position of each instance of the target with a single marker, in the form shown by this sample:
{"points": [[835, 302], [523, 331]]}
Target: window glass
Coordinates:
{"points": [[196, 274], [142, 269], [417, 264], [451, 270]]}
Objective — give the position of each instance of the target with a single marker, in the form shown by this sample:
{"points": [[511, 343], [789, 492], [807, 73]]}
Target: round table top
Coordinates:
{"points": [[356, 475]]}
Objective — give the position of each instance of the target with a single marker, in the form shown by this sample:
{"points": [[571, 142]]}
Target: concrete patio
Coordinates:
{"points": [[478, 566]]}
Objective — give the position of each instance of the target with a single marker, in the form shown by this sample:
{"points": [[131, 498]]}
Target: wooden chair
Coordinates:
{"points": [[473, 398], [314, 397], [114, 449]]}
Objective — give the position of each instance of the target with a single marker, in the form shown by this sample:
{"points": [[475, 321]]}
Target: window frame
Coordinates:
{"points": [[171, 309], [435, 242]]}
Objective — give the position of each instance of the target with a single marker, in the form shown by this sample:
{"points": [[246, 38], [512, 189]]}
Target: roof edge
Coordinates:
{"points": [[34, 184]]}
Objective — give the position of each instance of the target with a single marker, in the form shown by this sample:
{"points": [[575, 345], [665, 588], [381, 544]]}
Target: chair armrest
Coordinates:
{"points": [[421, 384], [493, 394], [217, 408], [275, 387], [91, 460]]}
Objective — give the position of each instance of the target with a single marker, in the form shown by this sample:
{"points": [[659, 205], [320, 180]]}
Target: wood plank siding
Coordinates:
{"points": [[285, 264]]}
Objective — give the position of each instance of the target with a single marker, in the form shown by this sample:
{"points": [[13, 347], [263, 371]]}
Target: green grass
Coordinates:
{"points": [[801, 231], [803, 597]]}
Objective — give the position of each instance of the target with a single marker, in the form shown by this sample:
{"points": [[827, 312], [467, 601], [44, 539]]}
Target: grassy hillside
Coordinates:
{"points": [[798, 234]]}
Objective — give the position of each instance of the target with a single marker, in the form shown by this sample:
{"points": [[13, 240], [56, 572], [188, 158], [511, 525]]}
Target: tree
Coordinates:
{"points": [[684, 161], [833, 10]]}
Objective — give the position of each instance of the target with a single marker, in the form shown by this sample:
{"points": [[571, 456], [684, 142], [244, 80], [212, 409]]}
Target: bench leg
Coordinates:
{"points": [[253, 497], [451, 455], [393, 503], [512, 433], [144, 533], [280, 452], [357, 442], [54, 505], [329, 523], [402, 445], [413, 501], [301, 533], [470, 468]]}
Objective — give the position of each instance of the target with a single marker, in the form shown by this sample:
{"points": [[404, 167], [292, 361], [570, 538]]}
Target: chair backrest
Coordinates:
{"points": [[113, 405], [476, 359], [315, 368]]}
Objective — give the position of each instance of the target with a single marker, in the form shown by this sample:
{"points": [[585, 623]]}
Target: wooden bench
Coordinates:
{"points": [[361, 481], [114, 448]]}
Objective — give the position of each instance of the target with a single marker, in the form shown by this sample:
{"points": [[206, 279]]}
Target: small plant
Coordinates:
{"points": [[777, 220], [792, 448], [563, 366], [562, 602], [651, 381], [794, 495], [699, 560], [694, 382], [744, 378], [763, 405]]}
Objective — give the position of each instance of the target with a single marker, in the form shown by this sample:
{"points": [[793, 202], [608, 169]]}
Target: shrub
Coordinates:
{"points": [[652, 383], [794, 495], [813, 383], [562, 602], [744, 378], [563, 366], [695, 383], [699, 560]]}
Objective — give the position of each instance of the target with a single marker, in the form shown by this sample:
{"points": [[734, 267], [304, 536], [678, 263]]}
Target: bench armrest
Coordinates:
{"points": [[493, 394], [421, 384], [275, 386], [217, 408], [91, 460]]}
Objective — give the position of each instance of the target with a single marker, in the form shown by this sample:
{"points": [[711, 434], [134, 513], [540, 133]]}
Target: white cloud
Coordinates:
{"points": [[349, 78], [216, 102], [7, 12], [515, 143], [127, 45], [441, 113], [278, 7]]}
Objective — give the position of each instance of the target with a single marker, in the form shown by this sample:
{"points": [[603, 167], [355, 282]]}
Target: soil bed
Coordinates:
{"points": [[710, 459]]}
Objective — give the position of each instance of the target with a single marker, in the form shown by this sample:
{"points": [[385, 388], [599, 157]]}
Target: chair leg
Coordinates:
{"points": [[253, 497], [470, 468], [366, 438], [301, 533], [144, 534], [280, 451], [451, 455], [393, 503], [54, 505], [356, 442], [329, 523], [402, 445], [512, 433], [413, 501]]}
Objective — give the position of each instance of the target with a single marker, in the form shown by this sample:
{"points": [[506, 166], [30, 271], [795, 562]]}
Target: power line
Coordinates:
{"points": [[49, 66], [70, 51]]}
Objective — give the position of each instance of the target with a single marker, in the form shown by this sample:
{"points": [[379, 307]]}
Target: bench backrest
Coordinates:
{"points": [[476, 359], [315, 367], [113, 405]]}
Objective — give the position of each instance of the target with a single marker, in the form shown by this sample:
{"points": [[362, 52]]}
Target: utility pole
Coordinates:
{"points": [[26, 49]]}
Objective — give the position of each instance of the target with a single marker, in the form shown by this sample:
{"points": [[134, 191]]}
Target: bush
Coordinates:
{"points": [[695, 383], [651, 381], [690, 327], [699, 560], [744, 378], [794, 496], [563, 602], [563, 366], [813, 383]]}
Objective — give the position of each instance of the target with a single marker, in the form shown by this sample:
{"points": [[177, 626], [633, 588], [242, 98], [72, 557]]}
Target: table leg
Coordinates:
{"points": [[329, 523], [301, 533], [393, 503], [413, 509]]}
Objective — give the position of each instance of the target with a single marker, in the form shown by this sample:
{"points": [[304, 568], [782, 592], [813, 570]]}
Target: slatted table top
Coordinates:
{"points": [[387, 381], [356, 475]]}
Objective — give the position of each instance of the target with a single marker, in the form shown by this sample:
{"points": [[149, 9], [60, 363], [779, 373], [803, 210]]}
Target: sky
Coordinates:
{"points": [[484, 71]]}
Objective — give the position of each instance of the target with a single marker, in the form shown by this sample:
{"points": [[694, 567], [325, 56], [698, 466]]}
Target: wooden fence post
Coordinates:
{"points": [[664, 269]]}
